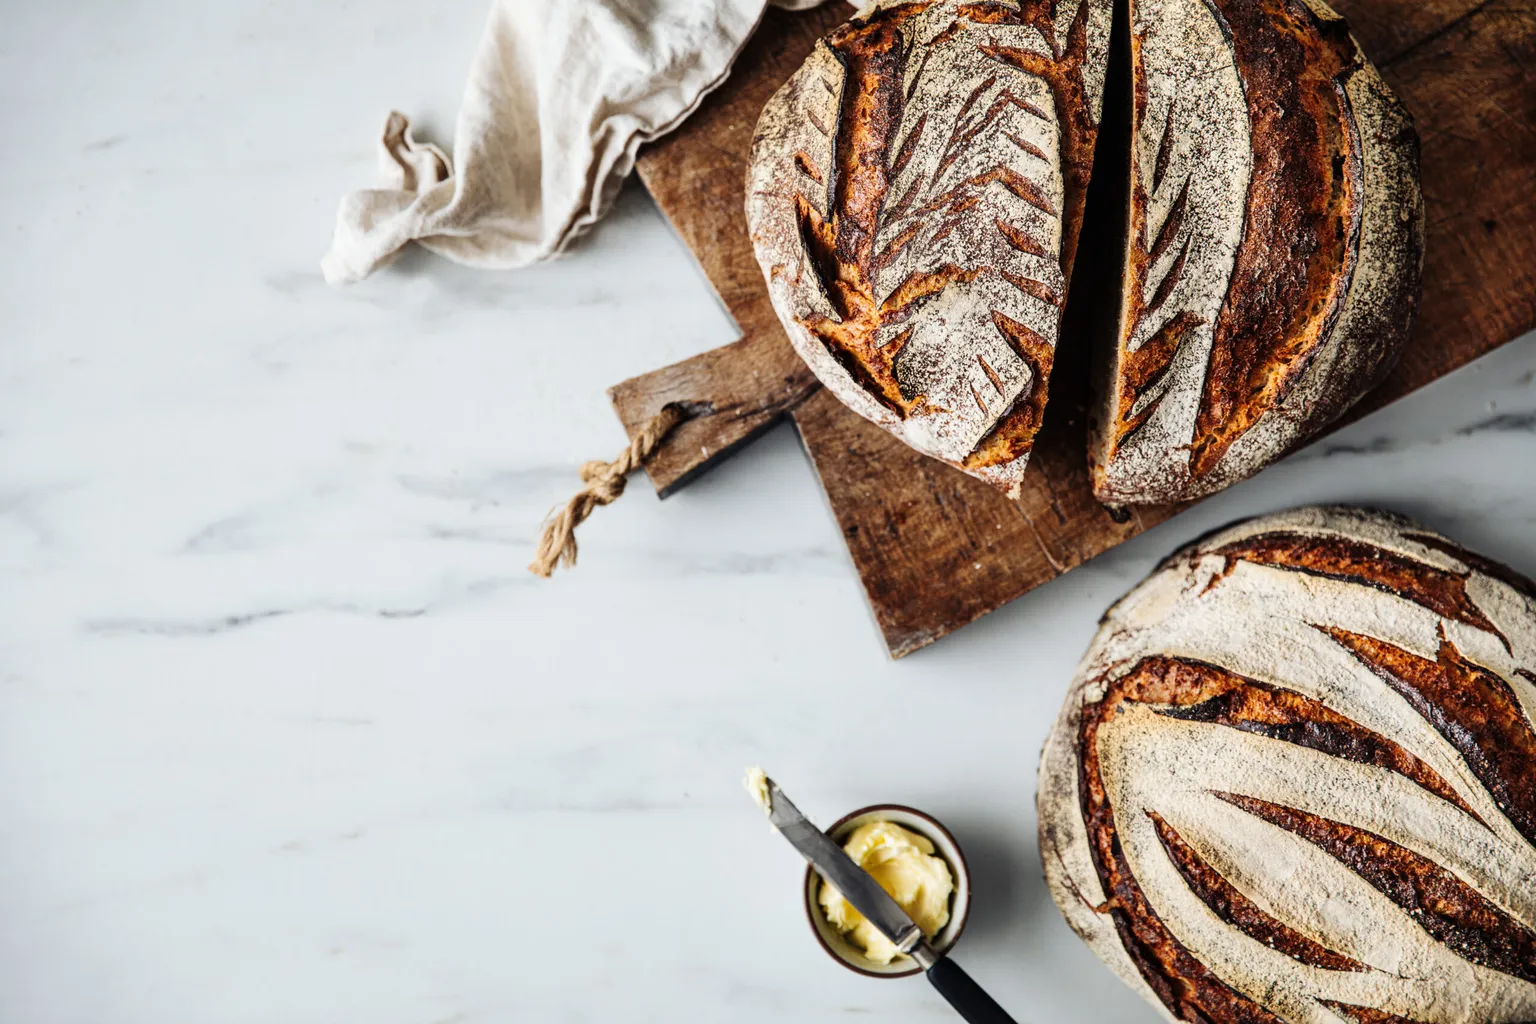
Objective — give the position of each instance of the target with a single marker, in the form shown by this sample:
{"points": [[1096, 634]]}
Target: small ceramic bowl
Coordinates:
{"points": [[845, 952]]}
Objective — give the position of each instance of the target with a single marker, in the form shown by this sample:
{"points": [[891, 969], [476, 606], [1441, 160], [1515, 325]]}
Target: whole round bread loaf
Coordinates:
{"points": [[1295, 779]]}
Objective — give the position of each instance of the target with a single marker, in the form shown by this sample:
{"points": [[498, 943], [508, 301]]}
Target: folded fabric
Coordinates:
{"points": [[561, 95]]}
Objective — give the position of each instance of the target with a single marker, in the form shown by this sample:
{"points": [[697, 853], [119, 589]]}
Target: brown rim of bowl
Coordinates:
{"points": [[964, 872]]}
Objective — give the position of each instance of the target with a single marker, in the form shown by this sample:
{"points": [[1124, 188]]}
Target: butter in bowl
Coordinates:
{"points": [[917, 861], [887, 894]]}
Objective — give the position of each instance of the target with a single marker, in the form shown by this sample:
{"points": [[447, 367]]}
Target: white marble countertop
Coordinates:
{"points": [[287, 733]]}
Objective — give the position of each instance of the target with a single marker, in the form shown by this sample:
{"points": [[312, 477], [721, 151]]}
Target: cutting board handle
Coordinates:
{"points": [[731, 394]]}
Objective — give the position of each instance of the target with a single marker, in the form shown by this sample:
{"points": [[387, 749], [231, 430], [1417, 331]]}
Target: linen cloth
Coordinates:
{"points": [[561, 95]]}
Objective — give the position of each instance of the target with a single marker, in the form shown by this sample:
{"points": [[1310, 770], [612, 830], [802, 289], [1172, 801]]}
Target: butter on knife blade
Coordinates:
{"points": [[757, 785]]}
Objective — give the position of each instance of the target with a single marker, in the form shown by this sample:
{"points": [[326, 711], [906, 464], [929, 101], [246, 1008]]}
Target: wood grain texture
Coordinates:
{"points": [[1471, 85], [1464, 69]]}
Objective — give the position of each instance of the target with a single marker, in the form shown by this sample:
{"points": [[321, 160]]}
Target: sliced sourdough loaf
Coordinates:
{"points": [[1295, 779], [914, 199], [1272, 249], [917, 194]]}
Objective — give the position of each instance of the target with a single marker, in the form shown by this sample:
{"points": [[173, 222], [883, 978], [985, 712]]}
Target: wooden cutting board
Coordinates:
{"points": [[936, 549]]}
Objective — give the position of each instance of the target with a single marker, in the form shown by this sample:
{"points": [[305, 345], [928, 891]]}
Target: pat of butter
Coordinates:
{"points": [[757, 785], [906, 866]]}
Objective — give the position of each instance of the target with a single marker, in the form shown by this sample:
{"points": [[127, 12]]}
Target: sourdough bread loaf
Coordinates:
{"points": [[1295, 779], [917, 193], [1272, 249], [915, 196]]}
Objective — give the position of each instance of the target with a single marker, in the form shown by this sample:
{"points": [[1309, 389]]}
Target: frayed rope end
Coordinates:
{"points": [[604, 483]]}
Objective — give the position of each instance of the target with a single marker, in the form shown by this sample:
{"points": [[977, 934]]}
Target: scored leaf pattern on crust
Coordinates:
{"points": [[938, 248], [1152, 280], [1190, 168]]}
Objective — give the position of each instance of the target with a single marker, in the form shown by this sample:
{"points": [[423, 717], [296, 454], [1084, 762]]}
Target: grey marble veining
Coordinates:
{"points": [[287, 733]]}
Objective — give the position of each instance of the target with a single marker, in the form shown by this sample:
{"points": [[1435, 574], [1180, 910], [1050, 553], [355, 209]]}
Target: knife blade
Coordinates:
{"points": [[969, 999], [839, 869]]}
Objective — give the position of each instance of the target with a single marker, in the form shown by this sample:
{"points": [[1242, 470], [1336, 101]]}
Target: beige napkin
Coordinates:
{"points": [[560, 96]]}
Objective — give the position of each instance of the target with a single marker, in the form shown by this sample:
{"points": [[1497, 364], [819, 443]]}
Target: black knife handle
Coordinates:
{"points": [[965, 995]]}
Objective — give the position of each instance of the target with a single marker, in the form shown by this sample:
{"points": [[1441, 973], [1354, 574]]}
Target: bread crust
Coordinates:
{"points": [[1274, 247], [914, 199], [1295, 779], [916, 195]]}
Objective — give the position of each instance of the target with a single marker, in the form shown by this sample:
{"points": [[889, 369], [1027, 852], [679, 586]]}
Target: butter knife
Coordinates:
{"points": [[877, 906]]}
